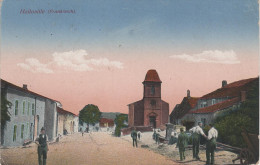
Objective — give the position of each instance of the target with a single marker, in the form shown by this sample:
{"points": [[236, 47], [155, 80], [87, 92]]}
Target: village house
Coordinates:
{"points": [[29, 113], [106, 124], [67, 122], [151, 110], [188, 103], [217, 103]]}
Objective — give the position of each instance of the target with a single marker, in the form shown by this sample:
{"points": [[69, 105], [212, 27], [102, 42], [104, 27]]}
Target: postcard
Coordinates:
{"points": [[151, 82]]}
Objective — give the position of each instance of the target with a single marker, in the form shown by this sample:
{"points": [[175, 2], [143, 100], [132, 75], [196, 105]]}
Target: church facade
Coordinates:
{"points": [[151, 110]]}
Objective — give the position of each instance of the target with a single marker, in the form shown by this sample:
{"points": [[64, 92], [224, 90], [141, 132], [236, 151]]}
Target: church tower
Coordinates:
{"points": [[151, 111], [152, 99]]}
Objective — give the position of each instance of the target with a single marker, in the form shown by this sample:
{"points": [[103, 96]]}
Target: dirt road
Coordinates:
{"points": [[91, 149]]}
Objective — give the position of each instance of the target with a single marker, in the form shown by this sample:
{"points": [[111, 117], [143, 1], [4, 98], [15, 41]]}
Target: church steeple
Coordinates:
{"points": [[152, 84], [152, 76]]}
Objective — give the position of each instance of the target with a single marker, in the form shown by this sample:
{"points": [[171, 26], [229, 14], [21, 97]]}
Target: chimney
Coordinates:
{"points": [[25, 86], [188, 93], [224, 83], [243, 96]]}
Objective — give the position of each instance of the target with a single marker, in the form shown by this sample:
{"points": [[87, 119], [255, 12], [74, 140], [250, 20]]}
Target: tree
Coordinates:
{"points": [[245, 117], [120, 123], [5, 115], [90, 114]]}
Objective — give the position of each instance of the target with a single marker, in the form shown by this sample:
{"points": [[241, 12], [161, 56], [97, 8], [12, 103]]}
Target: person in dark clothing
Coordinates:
{"points": [[134, 137], [43, 148], [139, 135], [154, 135], [182, 144]]}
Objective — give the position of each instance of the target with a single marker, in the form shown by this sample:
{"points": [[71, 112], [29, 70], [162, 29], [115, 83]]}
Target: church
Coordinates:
{"points": [[151, 110]]}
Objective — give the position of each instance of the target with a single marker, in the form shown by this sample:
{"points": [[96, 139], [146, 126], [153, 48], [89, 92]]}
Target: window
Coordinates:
{"points": [[203, 104], [14, 134], [152, 90], [23, 107], [28, 110], [213, 101], [16, 108], [33, 109], [153, 103], [22, 130]]}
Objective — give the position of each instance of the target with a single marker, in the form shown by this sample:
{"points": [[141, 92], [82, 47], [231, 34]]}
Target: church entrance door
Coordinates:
{"points": [[152, 121]]}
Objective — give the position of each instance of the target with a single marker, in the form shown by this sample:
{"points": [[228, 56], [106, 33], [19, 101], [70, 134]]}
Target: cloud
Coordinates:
{"points": [[210, 56], [77, 61], [106, 62], [34, 65], [72, 60]]}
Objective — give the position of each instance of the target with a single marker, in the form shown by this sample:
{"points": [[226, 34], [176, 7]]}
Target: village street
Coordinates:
{"points": [[91, 149]]}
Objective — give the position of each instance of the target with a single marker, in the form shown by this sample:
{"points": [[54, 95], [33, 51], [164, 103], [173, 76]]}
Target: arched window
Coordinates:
{"points": [[14, 134], [152, 90], [16, 108]]}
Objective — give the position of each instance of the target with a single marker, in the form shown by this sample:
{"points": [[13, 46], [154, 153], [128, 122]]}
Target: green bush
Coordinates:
{"points": [[117, 132], [119, 121], [230, 129], [246, 117]]}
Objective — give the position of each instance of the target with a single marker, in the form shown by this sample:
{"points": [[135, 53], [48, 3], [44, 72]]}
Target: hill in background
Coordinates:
{"points": [[110, 115]]}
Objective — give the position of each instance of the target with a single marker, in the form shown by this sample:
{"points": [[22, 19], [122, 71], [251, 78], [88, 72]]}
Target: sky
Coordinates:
{"points": [[100, 53]]}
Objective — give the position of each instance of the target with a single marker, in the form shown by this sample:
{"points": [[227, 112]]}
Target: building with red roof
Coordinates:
{"points": [[104, 122], [188, 103], [151, 110], [216, 103]]}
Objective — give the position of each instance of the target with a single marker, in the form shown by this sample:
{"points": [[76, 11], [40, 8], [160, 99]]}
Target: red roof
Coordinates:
{"points": [[193, 101], [5, 84], [62, 111], [152, 76], [232, 89], [103, 121], [218, 106], [183, 108], [240, 83]]}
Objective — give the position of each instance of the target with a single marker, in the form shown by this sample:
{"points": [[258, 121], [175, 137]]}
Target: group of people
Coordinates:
{"points": [[42, 142], [156, 136], [196, 133]]}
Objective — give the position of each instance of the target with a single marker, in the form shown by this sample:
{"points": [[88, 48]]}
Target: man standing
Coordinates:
{"points": [[196, 132], [211, 144], [134, 137], [182, 143], [42, 142]]}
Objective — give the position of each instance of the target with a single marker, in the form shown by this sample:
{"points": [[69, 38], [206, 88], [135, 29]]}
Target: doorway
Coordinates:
{"points": [[36, 126], [152, 120]]}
